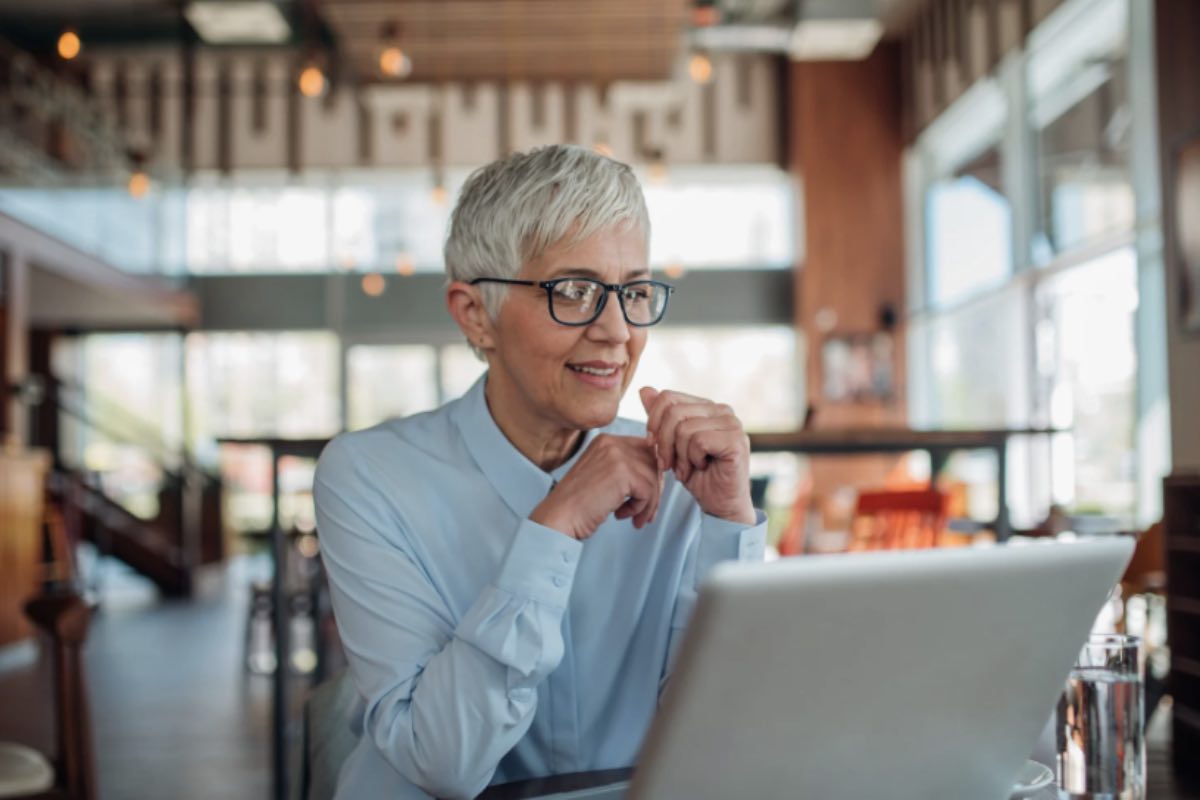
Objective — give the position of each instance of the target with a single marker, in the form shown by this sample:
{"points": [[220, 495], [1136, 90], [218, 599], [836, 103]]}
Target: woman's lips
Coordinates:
{"points": [[600, 374]]}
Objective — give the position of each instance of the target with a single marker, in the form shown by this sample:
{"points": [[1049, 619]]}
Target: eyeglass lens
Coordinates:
{"points": [[578, 301]]}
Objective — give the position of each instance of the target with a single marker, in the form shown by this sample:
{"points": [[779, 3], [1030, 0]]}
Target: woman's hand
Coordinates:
{"points": [[615, 474], [705, 445]]}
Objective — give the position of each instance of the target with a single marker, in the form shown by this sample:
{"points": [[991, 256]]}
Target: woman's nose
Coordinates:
{"points": [[611, 324]]}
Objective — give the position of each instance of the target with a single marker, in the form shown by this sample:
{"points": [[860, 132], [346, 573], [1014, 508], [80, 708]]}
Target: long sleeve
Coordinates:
{"points": [[445, 701], [718, 540]]}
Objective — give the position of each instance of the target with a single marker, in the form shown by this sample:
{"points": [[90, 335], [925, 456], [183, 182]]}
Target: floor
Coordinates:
{"points": [[174, 712]]}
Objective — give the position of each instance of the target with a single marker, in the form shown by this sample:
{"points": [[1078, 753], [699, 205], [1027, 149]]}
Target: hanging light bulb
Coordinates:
{"points": [[405, 265], [312, 81], [69, 44], [700, 68], [438, 194], [656, 167], [394, 63], [602, 148], [674, 269], [139, 184], [373, 284]]}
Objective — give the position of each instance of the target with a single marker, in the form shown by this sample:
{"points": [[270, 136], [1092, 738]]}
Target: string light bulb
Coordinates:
{"points": [[405, 265], [312, 81], [69, 44], [700, 68]]}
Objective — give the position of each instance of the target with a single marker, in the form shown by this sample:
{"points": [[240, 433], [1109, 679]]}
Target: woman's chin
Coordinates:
{"points": [[596, 416]]}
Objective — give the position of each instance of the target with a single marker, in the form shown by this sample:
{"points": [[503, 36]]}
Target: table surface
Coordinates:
{"points": [[1161, 783]]}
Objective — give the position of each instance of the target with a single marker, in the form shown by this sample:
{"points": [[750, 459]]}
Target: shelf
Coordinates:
{"points": [[1184, 605], [1184, 545], [1187, 666]]}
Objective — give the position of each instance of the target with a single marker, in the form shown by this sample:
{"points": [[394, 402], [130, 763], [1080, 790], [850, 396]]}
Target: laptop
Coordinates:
{"points": [[922, 674]]}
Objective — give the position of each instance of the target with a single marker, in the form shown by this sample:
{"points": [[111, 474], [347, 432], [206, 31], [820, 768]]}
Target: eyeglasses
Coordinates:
{"points": [[579, 301]]}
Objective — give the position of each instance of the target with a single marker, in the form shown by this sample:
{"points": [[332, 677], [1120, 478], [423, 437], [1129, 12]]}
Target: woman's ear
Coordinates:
{"points": [[465, 304]]}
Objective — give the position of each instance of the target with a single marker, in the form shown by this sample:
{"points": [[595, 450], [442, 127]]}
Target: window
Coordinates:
{"points": [[1086, 373], [1083, 129], [263, 384], [389, 381], [969, 231], [122, 412], [732, 366]]}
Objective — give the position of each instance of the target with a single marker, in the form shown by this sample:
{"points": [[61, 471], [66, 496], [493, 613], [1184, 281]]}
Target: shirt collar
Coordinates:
{"points": [[521, 483]]}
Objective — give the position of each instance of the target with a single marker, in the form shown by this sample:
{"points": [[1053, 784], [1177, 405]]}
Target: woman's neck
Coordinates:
{"points": [[545, 445]]}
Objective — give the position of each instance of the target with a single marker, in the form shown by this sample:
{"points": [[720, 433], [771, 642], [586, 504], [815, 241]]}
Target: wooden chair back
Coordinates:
{"points": [[65, 617], [898, 519]]}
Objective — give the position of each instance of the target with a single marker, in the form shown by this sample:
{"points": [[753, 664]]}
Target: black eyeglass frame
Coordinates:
{"points": [[608, 287]]}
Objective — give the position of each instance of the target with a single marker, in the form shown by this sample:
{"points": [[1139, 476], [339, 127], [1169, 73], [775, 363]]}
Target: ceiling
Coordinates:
{"points": [[456, 40], [595, 40]]}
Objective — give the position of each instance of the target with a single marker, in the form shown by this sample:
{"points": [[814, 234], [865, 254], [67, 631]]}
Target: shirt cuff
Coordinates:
{"points": [[723, 540], [540, 565]]}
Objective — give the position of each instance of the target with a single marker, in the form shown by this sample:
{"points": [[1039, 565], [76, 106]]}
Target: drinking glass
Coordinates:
{"points": [[1100, 732]]}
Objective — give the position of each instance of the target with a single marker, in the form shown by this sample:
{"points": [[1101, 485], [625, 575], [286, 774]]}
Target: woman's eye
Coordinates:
{"points": [[574, 291]]}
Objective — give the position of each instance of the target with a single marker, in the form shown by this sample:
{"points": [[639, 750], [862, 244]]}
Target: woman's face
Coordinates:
{"points": [[568, 378]]}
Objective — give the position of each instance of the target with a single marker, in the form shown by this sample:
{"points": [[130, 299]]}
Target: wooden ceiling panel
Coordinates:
{"points": [[540, 40]]}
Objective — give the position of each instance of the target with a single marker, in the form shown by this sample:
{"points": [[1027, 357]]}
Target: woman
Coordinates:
{"points": [[511, 572]]}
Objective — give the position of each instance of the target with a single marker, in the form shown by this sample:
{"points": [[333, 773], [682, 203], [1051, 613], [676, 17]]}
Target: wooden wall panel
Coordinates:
{"points": [[22, 477]]}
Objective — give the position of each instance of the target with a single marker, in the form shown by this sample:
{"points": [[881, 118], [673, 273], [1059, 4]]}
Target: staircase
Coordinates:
{"points": [[167, 547]]}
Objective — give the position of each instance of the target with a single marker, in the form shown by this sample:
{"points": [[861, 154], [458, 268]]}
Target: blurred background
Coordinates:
{"points": [[923, 246]]}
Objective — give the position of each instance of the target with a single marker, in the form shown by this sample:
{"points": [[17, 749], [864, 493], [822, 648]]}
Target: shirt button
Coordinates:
{"points": [[557, 581], [566, 558]]}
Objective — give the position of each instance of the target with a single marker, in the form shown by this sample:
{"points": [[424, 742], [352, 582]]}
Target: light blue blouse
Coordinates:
{"points": [[488, 648]]}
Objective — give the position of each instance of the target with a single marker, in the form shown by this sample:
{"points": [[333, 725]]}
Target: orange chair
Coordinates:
{"points": [[898, 520]]}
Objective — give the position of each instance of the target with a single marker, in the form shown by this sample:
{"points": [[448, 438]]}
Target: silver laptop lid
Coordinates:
{"points": [[884, 675]]}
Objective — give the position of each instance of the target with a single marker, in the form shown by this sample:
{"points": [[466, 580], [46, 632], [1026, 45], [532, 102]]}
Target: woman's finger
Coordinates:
{"points": [[666, 433], [664, 401], [691, 451]]}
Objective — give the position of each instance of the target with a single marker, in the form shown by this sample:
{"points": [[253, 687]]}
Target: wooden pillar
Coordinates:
{"points": [[16, 344], [1176, 32], [845, 147], [846, 144]]}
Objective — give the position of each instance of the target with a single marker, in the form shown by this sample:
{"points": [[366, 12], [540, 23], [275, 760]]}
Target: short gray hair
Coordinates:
{"points": [[512, 210]]}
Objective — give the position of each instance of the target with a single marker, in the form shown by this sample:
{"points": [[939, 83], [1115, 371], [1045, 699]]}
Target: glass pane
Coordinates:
{"points": [[755, 370], [968, 231], [460, 369], [1086, 372], [1082, 125], [390, 381], [383, 220], [122, 412], [263, 384], [132, 234], [724, 217], [978, 356]]}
